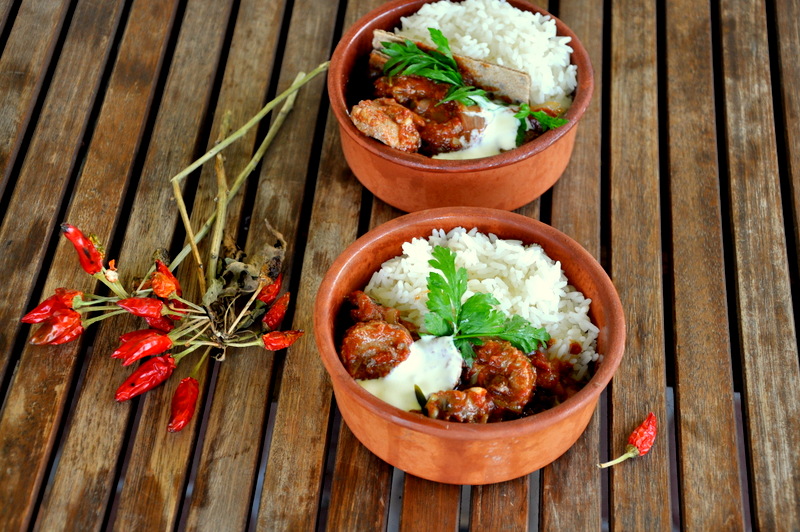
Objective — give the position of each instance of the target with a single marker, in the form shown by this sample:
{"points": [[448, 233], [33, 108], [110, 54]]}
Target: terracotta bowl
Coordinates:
{"points": [[412, 182], [452, 452]]}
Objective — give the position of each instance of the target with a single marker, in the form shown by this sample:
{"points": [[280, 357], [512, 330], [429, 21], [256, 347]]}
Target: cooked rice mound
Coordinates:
{"points": [[521, 277], [497, 32]]}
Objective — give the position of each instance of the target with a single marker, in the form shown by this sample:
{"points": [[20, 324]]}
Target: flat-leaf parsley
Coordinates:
{"points": [[475, 318]]}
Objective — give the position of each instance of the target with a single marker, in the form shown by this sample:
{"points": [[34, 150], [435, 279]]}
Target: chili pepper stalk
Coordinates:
{"points": [[639, 442]]}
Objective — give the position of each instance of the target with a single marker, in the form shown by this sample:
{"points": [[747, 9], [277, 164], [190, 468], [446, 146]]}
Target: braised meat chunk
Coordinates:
{"points": [[388, 121]]}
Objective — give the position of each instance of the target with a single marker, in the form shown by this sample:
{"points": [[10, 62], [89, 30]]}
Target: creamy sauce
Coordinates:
{"points": [[434, 364], [498, 135]]}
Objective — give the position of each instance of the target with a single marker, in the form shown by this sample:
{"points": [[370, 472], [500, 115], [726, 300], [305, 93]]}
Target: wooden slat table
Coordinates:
{"points": [[684, 183]]}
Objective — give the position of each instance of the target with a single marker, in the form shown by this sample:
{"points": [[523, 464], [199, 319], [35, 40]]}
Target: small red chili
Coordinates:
{"points": [[270, 292], [162, 323], [63, 325], [134, 335], [274, 316], [164, 283], [183, 404], [153, 343], [91, 260], [639, 442], [145, 307], [149, 375], [277, 340], [62, 299]]}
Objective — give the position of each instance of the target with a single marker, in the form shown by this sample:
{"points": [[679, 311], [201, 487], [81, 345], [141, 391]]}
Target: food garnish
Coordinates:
{"points": [[475, 318], [407, 59], [236, 289], [639, 442], [546, 121]]}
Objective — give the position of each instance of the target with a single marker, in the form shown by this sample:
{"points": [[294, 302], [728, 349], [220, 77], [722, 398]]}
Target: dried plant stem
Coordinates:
{"points": [[244, 174], [250, 123], [222, 205], [246, 308], [176, 189]]}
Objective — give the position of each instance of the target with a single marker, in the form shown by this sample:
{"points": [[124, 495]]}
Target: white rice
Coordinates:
{"points": [[521, 277], [497, 32]]}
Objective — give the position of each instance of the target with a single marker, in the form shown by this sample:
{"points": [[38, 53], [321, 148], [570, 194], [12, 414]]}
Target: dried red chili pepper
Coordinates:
{"points": [[274, 316], [62, 299], [63, 325], [277, 340], [639, 442], [164, 283], [143, 345], [134, 335], [271, 291], [145, 307], [91, 260], [183, 404], [162, 323], [149, 375]]}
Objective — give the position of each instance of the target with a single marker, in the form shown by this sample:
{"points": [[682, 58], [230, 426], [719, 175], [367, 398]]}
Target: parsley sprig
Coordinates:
{"points": [[475, 318], [545, 120], [408, 59]]}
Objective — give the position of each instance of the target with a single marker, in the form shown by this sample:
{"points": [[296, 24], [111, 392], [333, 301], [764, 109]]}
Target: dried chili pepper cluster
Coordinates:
{"points": [[175, 326]]}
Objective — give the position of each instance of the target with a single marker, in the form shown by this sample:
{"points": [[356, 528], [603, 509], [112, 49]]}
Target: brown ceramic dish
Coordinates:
{"points": [[461, 453], [413, 182]]}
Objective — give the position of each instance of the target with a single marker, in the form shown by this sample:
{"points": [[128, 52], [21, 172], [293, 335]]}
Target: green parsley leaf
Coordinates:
{"points": [[464, 95], [545, 120], [475, 318]]}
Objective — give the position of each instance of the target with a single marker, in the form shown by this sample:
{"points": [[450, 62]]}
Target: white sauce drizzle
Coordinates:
{"points": [[434, 364], [498, 135]]}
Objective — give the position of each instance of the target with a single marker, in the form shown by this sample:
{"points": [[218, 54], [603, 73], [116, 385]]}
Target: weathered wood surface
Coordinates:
{"points": [[636, 265], [683, 183], [767, 331], [711, 495]]}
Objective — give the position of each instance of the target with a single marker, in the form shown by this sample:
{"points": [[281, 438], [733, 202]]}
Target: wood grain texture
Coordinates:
{"points": [[30, 217], [639, 385], [429, 505], [361, 486], [158, 465], [113, 149], [710, 495], [292, 483], [290, 498], [227, 467], [765, 309], [23, 67], [787, 25], [511, 496], [29, 416], [573, 481]]}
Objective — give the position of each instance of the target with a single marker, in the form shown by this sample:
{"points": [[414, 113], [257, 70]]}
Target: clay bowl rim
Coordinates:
{"points": [[386, 17], [423, 222]]}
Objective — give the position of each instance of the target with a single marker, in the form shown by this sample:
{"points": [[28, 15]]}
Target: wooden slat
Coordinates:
{"points": [[639, 384], [361, 484], [92, 448], [787, 19], [158, 466], [23, 67], [290, 498], [429, 505], [228, 466], [25, 439], [766, 323], [293, 478], [114, 146], [511, 496], [710, 495], [30, 216], [573, 481]]}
